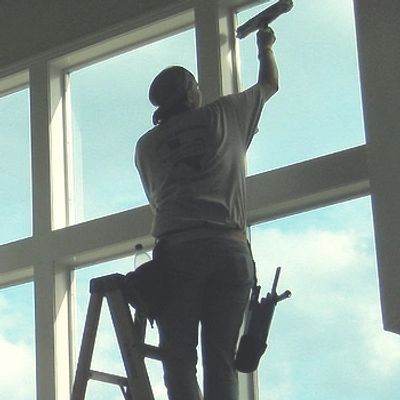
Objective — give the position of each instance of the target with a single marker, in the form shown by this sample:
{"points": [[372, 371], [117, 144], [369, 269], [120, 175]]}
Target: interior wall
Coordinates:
{"points": [[378, 32], [30, 27]]}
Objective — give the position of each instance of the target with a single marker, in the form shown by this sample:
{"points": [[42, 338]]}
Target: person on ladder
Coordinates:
{"points": [[192, 167]]}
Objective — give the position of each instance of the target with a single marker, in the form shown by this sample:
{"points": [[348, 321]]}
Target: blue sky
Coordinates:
{"points": [[15, 175], [326, 341]]}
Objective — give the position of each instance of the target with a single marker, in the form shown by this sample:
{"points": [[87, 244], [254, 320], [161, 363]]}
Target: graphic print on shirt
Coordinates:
{"points": [[186, 154]]}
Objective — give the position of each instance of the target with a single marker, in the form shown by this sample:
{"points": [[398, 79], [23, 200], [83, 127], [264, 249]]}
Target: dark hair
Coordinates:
{"points": [[168, 92]]}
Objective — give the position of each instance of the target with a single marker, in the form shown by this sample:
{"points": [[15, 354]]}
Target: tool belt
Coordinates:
{"points": [[204, 232], [145, 289]]}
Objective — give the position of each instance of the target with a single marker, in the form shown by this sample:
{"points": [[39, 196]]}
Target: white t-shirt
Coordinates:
{"points": [[193, 166]]}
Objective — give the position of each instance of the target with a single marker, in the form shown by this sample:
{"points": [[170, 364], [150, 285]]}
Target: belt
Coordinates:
{"points": [[204, 233]]}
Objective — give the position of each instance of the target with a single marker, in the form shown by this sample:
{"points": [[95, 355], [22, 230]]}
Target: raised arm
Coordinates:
{"points": [[268, 72]]}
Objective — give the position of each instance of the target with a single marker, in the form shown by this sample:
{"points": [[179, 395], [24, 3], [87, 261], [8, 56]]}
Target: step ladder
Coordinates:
{"points": [[131, 340]]}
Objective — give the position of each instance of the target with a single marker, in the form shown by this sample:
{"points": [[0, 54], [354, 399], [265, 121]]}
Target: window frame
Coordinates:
{"points": [[14, 82]]}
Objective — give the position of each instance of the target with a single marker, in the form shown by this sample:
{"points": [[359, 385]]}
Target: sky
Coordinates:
{"points": [[327, 340], [15, 173]]}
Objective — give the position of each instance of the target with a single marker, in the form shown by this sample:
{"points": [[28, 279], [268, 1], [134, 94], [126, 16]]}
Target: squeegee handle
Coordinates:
{"points": [[264, 18]]}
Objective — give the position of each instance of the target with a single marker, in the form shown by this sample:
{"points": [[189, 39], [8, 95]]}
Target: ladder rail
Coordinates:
{"points": [[130, 339], [87, 346]]}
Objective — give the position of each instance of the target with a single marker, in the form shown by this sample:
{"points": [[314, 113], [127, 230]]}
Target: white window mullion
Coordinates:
{"points": [[208, 49], [41, 204], [41, 186], [68, 152], [58, 149], [215, 40], [49, 212], [63, 213]]}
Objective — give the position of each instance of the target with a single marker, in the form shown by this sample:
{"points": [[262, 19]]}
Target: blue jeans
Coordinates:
{"points": [[208, 282]]}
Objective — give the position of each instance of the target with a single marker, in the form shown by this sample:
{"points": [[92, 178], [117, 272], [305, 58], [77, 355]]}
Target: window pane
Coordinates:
{"points": [[326, 341], [17, 343], [110, 111], [318, 107], [15, 167], [106, 355]]}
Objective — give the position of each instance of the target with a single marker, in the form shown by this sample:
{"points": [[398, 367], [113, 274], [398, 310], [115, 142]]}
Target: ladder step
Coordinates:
{"points": [[108, 378], [152, 351]]}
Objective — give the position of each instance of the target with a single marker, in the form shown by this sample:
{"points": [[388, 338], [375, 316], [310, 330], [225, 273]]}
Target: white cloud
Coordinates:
{"points": [[332, 275], [17, 371], [312, 253], [322, 268], [383, 348]]}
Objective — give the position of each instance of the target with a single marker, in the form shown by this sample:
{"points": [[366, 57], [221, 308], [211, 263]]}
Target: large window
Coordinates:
{"points": [[110, 111], [83, 103], [15, 166], [326, 341], [318, 107], [17, 343]]}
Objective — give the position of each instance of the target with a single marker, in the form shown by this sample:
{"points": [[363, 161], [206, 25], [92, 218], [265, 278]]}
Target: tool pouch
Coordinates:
{"points": [[250, 350], [144, 288], [253, 344]]}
